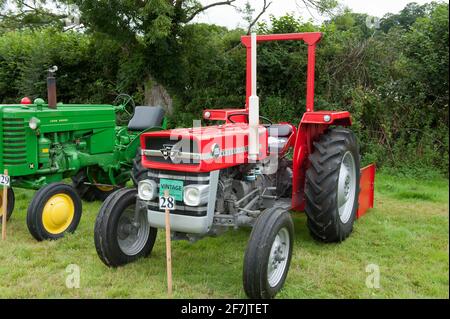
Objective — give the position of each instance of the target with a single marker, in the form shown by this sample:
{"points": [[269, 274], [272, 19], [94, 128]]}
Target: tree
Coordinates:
{"points": [[248, 12], [407, 16], [31, 14], [151, 33]]}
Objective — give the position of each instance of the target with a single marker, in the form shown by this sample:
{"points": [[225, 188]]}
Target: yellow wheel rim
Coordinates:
{"points": [[58, 214], [105, 188]]}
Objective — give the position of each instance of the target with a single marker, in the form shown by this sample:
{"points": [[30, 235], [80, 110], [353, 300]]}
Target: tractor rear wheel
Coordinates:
{"points": [[332, 186], [120, 235], [88, 192], [268, 254], [55, 210], [11, 203], [138, 172]]}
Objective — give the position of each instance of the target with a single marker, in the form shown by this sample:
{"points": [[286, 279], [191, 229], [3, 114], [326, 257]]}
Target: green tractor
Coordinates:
{"points": [[42, 144]]}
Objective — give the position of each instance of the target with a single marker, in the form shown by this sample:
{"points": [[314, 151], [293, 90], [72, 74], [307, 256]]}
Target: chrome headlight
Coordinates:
{"points": [[147, 189], [196, 195]]}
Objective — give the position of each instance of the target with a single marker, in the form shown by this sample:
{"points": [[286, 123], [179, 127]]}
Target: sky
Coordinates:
{"points": [[229, 17]]}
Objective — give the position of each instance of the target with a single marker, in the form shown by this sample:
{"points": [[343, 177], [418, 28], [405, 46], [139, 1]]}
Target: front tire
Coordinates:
{"points": [[55, 210], [332, 186], [268, 254], [119, 238], [11, 203]]}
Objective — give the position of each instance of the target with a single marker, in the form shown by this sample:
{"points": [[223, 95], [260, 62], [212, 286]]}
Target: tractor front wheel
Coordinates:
{"points": [[122, 235], [332, 186], [55, 210], [11, 202], [268, 254]]}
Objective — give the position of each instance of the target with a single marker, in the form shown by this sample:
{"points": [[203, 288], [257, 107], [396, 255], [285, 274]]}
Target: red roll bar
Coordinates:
{"points": [[310, 38]]}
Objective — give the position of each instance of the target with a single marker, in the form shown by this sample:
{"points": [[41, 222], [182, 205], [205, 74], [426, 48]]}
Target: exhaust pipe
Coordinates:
{"points": [[51, 87], [253, 112]]}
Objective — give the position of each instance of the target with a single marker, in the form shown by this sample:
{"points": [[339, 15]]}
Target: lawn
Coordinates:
{"points": [[406, 236]]}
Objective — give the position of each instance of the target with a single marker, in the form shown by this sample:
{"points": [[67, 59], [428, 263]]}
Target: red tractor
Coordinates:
{"points": [[245, 171]]}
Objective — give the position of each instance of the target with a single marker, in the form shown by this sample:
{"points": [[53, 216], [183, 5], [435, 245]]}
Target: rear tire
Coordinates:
{"points": [[88, 192], [332, 186], [268, 254], [55, 210], [118, 240], [11, 203], [138, 172]]}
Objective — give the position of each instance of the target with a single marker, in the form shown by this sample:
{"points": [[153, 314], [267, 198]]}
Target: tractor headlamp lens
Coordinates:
{"points": [[147, 189], [34, 123], [196, 195]]}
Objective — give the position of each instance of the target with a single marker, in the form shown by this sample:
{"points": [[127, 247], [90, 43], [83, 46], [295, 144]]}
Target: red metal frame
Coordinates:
{"points": [[310, 38]]}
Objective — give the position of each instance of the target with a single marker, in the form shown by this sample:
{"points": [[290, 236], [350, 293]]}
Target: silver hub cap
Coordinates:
{"points": [[132, 235], [278, 257], [346, 187]]}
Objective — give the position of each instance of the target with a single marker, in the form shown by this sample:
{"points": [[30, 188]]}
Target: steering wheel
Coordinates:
{"points": [[267, 124], [126, 106]]}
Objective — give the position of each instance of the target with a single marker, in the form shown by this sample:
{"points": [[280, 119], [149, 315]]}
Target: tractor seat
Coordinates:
{"points": [[146, 117], [280, 130], [278, 137]]}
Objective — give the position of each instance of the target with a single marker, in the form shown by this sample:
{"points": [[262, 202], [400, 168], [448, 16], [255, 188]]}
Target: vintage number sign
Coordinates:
{"points": [[5, 180], [167, 203], [174, 187]]}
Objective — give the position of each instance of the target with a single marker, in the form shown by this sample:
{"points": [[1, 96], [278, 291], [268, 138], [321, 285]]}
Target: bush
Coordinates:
{"points": [[87, 66], [394, 80]]}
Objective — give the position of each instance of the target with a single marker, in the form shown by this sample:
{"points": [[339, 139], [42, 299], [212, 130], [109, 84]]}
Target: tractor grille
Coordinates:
{"points": [[188, 179], [14, 142], [159, 149]]}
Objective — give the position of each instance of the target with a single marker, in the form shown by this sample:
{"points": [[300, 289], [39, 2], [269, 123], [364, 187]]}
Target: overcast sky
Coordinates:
{"points": [[229, 17]]}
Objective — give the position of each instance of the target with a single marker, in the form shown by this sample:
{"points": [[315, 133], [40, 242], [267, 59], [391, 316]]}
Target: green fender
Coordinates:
{"points": [[130, 151]]}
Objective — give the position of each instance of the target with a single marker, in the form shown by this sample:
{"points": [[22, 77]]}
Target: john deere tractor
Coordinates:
{"points": [[42, 144]]}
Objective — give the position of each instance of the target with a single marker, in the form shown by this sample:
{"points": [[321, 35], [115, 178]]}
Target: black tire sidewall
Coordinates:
{"points": [[256, 262], [322, 183], [280, 224], [106, 229], [102, 195], [83, 190], [40, 199], [11, 204], [90, 193], [138, 172]]}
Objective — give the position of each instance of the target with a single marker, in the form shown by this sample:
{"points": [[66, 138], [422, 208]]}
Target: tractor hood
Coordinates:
{"points": [[201, 149]]}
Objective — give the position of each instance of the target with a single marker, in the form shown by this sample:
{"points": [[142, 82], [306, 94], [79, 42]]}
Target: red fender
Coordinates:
{"points": [[312, 126]]}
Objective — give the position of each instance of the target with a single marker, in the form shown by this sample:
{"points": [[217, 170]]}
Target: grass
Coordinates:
{"points": [[406, 235]]}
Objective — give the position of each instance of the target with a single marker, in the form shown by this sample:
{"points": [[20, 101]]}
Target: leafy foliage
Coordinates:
{"points": [[394, 80], [32, 14], [87, 65]]}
